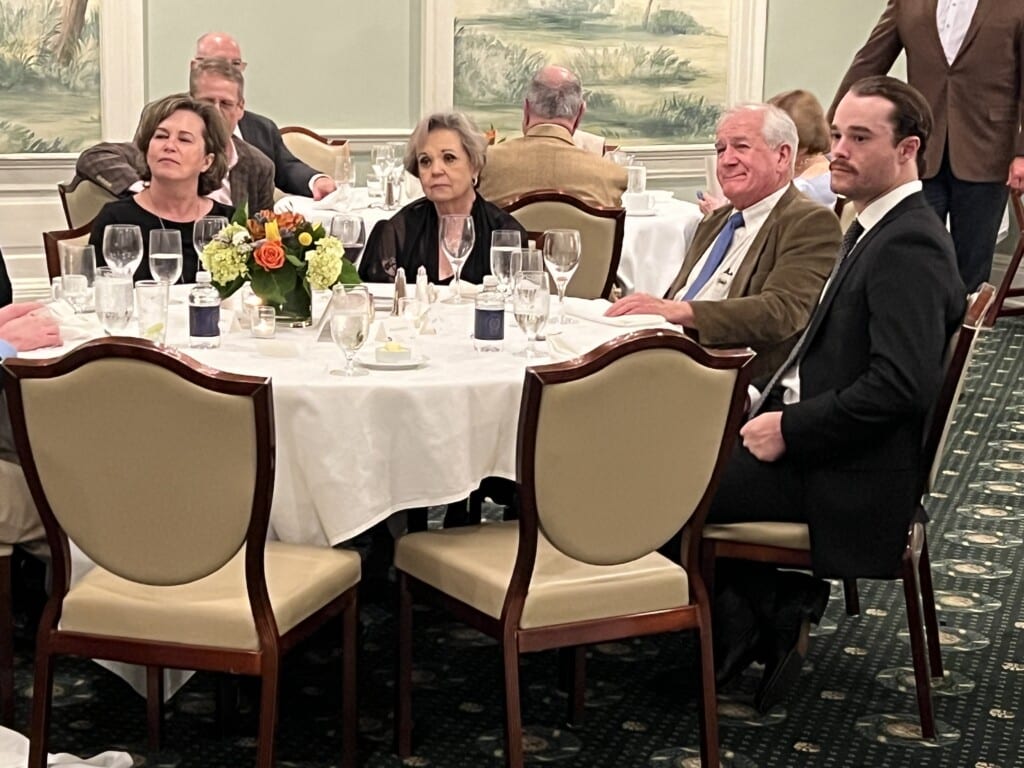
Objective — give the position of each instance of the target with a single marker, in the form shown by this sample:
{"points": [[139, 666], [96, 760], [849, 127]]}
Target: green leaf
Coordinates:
{"points": [[230, 288], [241, 216], [349, 273], [294, 260], [273, 286]]}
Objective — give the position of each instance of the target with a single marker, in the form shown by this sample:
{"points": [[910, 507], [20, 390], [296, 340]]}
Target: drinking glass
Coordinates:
{"points": [[122, 247], [204, 230], [344, 178], [636, 179], [526, 260], [115, 301], [165, 254], [347, 228], [562, 256], [503, 243], [151, 307], [457, 238], [381, 158], [350, 324], [531, 297], [77, 270]]}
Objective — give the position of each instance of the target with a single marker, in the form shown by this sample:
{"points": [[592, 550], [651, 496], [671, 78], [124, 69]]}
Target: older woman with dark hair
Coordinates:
{"points": [[184, 142], [446, 153]]}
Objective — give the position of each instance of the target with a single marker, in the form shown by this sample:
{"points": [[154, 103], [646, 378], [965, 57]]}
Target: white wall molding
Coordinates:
{"points": [[122, 68]]}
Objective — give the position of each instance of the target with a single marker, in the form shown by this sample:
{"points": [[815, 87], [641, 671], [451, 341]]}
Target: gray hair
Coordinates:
{"points": [[473, 142], [777, 129], [216, 68], [562, 101]]}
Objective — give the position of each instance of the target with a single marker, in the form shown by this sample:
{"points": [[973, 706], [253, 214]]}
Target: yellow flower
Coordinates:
{"points": [[272, 232], [305, 238]]}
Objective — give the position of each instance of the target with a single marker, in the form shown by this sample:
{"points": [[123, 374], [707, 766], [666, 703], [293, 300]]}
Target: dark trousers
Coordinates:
{"points": [[757, 491], [975, 210]]}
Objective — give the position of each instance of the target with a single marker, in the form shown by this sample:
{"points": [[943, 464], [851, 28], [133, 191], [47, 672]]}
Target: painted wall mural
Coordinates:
{"points": [[49, 75], [653, 71]]}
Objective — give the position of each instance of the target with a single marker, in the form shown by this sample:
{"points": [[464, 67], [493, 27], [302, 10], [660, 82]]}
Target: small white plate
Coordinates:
{"points": [[374, 364], [642, 212]]}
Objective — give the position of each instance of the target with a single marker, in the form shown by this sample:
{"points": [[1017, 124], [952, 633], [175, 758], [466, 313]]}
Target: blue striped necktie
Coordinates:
{"points": [[718, 251]]}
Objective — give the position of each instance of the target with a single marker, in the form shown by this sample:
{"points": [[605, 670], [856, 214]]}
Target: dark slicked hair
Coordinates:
{"points": [[911, 115]]}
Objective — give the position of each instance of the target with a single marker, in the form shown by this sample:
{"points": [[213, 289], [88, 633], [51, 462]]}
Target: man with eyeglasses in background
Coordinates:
{"points": [[291, 175]]}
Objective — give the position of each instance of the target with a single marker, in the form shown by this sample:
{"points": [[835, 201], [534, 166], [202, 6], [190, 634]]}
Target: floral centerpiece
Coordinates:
{"points": [[284, 258]]}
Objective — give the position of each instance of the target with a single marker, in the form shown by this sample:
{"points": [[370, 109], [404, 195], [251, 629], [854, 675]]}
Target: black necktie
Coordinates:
{"points": [[849, 240]]}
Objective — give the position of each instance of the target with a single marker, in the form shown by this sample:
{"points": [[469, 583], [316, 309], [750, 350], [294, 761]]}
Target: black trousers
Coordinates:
{"points": [[974, 210]]}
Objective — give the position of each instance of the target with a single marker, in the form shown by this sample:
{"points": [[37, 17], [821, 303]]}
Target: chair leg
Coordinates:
{"points": [[931, 621], [42, 695], [513, 712], [708, 705], [922, 678], [154, 706], [403, 686], [852, 597], [349, 713], [268, 711], [6, 643], [573, 671]]}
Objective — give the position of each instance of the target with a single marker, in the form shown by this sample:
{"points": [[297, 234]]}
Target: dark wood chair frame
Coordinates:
{"points": [[556, 196], [572, 638], [313, 135], [51, 246], [263, 662], [1006, 290], [915, 567]]}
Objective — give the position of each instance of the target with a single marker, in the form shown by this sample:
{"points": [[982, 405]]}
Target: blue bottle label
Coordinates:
{"points": [[202, 321], [489, 324]]}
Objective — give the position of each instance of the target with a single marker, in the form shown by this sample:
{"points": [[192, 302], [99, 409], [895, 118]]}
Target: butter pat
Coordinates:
{"points": [[393, 352]]}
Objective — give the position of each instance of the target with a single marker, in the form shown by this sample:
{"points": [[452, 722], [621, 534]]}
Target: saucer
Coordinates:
{"points": [[642, 212], [374, 364]]}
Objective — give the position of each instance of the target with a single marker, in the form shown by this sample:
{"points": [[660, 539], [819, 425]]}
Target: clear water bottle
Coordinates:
{"points": [[489, 317], [203, 313]]}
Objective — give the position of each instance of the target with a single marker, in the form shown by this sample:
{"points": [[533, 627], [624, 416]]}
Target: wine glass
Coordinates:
{"points": [[204, 230], [457, 238], [350, 324], [122, 247], [115, 299], [344, 178], [562, 256], [165, 255], [531, 297], [77, 270], [503, 243]]}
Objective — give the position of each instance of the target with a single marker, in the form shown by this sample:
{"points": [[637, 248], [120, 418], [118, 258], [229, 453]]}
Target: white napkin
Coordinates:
{"points": [[594, 309], [74, 326], [14, 754], [576, 340], [339, 200]]}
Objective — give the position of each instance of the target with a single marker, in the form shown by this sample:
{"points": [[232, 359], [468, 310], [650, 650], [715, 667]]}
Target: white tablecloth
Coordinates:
{"points": [[652, 246]]}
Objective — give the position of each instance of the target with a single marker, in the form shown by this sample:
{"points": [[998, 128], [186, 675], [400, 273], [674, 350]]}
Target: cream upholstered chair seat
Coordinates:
{"points": [[82, 200], [788, 535], [212, 611], [474, 565]]}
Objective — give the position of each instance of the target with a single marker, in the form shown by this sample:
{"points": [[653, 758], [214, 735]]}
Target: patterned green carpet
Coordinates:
{"points": [[849, 708]]}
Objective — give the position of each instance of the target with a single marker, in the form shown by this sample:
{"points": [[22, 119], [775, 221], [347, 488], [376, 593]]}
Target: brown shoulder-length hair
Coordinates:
{"points": [[215, 135], [805, 110]]}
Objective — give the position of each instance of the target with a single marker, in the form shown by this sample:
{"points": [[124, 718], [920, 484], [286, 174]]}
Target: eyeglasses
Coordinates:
{"points": [[220, 103], [236, 63]]}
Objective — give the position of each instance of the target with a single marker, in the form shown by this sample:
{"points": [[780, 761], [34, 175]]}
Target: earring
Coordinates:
{"points": [[476, 180]]}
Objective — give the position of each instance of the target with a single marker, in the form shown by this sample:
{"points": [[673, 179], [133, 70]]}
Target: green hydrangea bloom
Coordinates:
{"points": [[324, 263]]}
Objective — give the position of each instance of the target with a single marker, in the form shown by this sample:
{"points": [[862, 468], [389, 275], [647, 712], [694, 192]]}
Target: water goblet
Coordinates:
{"points": [[204, 230], [531, 297], [526, 260], [457, 238], [77, 270], [165, 255], [115, 301], [562, 256], [503, 243], [350, 324], [122, 247]]}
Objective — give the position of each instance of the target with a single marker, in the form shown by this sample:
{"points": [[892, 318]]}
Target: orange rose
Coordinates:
{"points": [[270, 255]]}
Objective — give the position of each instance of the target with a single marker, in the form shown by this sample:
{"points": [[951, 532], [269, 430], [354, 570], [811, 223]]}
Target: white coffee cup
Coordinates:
{"points": [[637, 202]]}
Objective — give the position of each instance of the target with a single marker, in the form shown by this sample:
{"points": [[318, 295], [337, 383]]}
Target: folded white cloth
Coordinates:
{"points": [[74, 326], [339, 200], [14, 754], [594, 310]]}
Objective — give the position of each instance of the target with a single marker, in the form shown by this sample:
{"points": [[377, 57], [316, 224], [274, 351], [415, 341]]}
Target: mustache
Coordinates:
{"points": [[835, 165]]}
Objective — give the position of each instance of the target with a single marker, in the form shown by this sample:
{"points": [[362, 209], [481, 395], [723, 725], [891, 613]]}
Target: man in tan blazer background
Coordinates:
{"points": [[967, 58], [544, 157], [757, 285]]}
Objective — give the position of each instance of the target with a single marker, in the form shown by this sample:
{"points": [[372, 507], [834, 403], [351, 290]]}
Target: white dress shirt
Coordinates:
{"points": [[952, 18], [717, 287]]}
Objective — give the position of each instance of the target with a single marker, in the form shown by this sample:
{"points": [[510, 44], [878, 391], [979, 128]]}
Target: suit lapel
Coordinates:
{"points": [[706, 233], [748, 266]]}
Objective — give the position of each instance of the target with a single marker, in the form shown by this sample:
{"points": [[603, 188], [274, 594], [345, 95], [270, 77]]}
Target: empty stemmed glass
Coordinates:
{"points": [[531, 297], [562, 256], [165, 255], [456, 238], [205, 229], [77, 270], [350, 324], [503, 243], [122, 248]]}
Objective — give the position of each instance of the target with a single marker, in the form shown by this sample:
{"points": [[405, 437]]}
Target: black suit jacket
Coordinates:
{"points": [[868, 377], [291, 175], [6, 291]]}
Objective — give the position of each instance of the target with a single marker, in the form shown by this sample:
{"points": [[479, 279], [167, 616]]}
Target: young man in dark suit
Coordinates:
{"points": [[835, 440]]}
